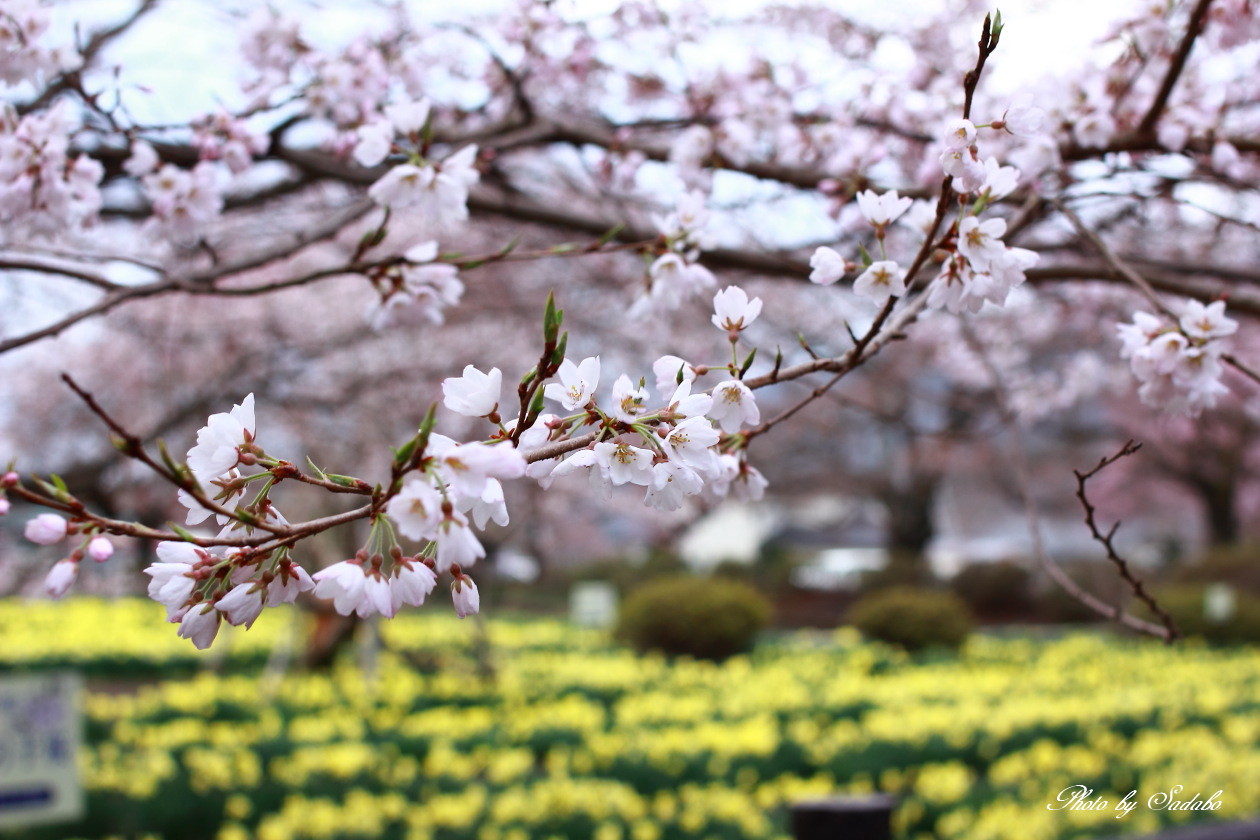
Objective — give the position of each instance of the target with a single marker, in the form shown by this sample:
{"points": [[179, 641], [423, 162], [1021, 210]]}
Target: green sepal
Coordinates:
{"points": [[184, 533], [557, 355], [610, 234], [866, 257], [747, 363]]}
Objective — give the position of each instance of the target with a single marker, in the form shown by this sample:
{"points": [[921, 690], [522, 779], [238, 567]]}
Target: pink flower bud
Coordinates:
{"points": [[9, 479], [60, 576], [46, 529], [464, 594], [100, 549], [4, 506]]}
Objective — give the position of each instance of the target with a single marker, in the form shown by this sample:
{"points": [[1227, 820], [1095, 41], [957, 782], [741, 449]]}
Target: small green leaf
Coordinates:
{"points": [[184, 534], [866, 257], [610, 234], [557, 356], [318, 472], [747, 363]]}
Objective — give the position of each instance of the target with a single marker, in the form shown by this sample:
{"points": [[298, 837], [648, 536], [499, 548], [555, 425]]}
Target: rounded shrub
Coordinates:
{"points": [[708, 618], [995, 590], [913, 618], [1185, 603]]}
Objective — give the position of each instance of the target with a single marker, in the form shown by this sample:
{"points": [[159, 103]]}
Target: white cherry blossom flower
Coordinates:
{"points": [[411, 583], [376, 598], [959, 134], [290, 581], [409, 117], [46, 529], [475, 394], [1023, 120], [577, 383], [828, 266], [416, 509], [981, 242], [734, 406], [60, 577], [668, 369], [456, 543], [200, 625], [967, 172], [628, 402], [465, 596], [882, 210], [999, 181], [100, 549], [880, 281], [1207, 322], [343, 583], [243, 604], [622, 463], [671, 483], [690, 442], [219, 442], [733, 310], [490, 506], [467, 466], [373, 143], [683, 403]]}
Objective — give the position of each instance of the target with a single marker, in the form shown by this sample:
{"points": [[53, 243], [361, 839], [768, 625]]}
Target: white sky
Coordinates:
{"points": [[192, 44]]}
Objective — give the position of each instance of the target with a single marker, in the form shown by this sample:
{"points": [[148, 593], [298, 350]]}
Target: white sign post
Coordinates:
{"points": [[41, 726], [593, 604]]}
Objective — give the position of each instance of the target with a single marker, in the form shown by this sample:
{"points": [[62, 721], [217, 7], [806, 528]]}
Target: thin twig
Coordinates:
{"points": [[1019, 465], [1198, 17], [1106, 539]]}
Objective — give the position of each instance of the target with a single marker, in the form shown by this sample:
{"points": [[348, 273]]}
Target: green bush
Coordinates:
{"points": [[708, 618], [912, 618], [1185, 604], [995, 590]]}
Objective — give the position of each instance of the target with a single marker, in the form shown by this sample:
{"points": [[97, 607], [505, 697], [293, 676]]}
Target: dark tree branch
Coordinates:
{"points": [[1106, 540]]}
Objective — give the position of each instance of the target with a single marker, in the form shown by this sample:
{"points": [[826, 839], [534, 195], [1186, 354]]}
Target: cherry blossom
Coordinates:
{"points": [[243, 604], [733, 310], [46, 529], [100, 549], [465, 596], [342, 583], [827, 265], [881, 280], [220, 441], [60, 577], [474, 394], [734, 406], [200, 625], [881, 210], [577, 383]]}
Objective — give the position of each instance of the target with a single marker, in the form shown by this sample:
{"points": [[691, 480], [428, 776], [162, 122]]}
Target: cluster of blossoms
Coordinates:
{"points": [[883, 278], [42, 188], [22, 57], [416, 282], [224, 137], [51, 529], [201, 587], [436, 193], [675, 276], [1179, 365], [673, 451], [184, 201]]}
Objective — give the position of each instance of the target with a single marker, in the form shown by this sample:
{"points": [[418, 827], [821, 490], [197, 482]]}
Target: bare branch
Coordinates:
{"points": [[1106, 540]]}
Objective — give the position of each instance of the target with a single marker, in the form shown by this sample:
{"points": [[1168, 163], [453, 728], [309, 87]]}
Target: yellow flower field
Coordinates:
{"points": [[574, 737]]}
